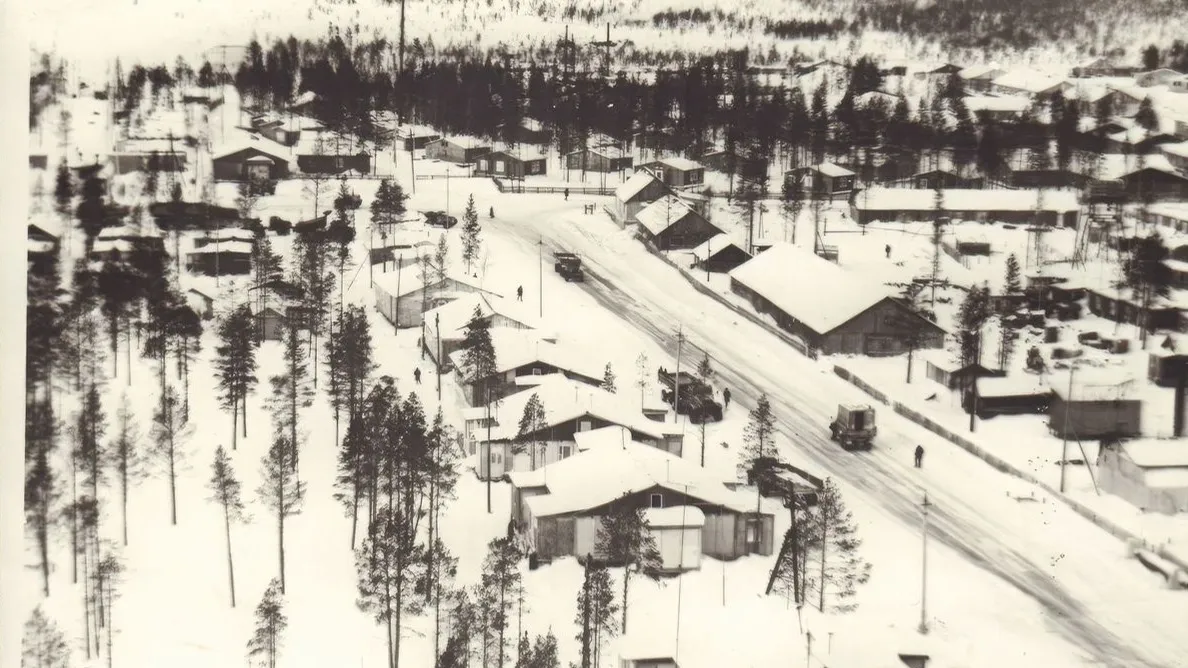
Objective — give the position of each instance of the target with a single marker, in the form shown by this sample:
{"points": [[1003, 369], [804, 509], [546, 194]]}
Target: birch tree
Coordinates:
{"points": [[226, 491]]}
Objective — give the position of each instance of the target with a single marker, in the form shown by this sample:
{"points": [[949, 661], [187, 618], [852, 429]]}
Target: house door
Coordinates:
{"points": [[259, 172], [752, 536]]}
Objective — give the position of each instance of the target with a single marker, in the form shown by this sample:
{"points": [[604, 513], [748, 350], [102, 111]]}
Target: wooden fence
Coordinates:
{"points": [[519, 187]]}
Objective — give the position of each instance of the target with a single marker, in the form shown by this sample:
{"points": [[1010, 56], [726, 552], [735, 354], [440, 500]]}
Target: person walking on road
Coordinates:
{"points": [[726, 398], [492, 212], [417, 375], [520, 294], [919, 456], [887, 250], [567, 194]]}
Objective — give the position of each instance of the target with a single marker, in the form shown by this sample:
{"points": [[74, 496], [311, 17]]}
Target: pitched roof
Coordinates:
{"points": [[964, 199], [663, 214], [516, 348], [1028, 80], [601, 475], [520, 151], [713, 246], [979, 72], [831, 169], [1157, 453], [1014, 103], [564, 399], [455, 315], [249, 140], [682, 164], [634, 186], [408, 280], [813, 290], [242, 247]]}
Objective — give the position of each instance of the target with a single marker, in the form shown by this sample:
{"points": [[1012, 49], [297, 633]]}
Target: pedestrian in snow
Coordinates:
{"points": [[492, 212], [520, 294], [887, 250], [417, 375], [726, 397], [919, 456], [567, 194]]}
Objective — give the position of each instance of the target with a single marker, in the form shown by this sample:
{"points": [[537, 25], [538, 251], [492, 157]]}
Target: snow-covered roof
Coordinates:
{"points": [[39, 246], [520, 151], [713, 245], [679, 163], [109, 245], [612, 436], [674, 517], [979, 72], [601, 475], [515, 348], [662, 214], [408, 280], [1157, 453], [225, 247], [229, 234], [964, 199], [1028, 80], [869, 98], [633, 186], [564, 399], [1012, 103], [1097, 386], [466, 141], [1157, 162], [1179, 149], [128, 232], [1011, 386], [830, 169], [244, 140], [455, 315], [811, 289], [1177, 210]]}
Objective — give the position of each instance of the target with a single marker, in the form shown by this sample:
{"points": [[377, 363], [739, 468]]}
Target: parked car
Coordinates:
{"points": [[440, 219]]}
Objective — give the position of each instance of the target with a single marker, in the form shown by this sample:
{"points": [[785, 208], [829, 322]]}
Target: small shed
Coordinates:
{"points": [[38, 161], [254, 159], [670, 224], [516, 163], [823, 180], [1157, 180], [943, 367], [634, 194], [719, 254], [1018, 395], [1105, 410], [271, 324], [1151, 474], [1165, 367], [201, 303], [677, 530]]}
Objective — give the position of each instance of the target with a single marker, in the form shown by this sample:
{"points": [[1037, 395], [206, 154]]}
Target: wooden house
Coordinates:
{"points": [[1115, 305], [937, 178], [522, 358], [1150, 474], [163, 161], [1172, 216], [334, 164], [1157, 77], [403, 298], [670, 224], [944, 368], [515, 163], [1157, 179], [1002, 395], [1093, 411], [1030, 84], [599, 159], [825, 180], [276, 305], [1101, 66], [415, 139], [728, 162], [1048, 178], [841, 313], [227, 258], [1001, 108], [42, 248], [445, 326], [978, 78], [676, 172], [1176, 154], [201, 303], [460, 150], [559, 507], [634, 194], [1166, 366], [570, 408], [719, 254], [253, 159], [878, 204]]}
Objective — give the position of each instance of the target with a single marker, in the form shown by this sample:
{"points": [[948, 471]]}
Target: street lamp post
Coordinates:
{"points": [[540, 285]]}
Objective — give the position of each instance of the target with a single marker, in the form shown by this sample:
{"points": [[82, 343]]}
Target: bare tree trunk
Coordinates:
{"points": [[86, 605], [230, 563], [74, 517], [626, 579], [172, 476], [234, 422]]}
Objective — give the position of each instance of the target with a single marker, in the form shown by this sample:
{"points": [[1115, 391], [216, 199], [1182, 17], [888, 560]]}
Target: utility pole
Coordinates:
{"points": [[488, 449], [396, 311], [400, 63], [540, 285], [924, 571], [676, 379], [1064, 440], [437, 331], [973, 386], [605, 45]]}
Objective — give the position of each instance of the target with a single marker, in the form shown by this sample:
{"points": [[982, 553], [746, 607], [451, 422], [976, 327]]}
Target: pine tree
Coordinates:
{"points": [[63, 189], [544, 652], [500, 579], [152, 176], [271, 623], [596, 614], [226, 491], [106, 584], [608, 378], [533, 422], [291, 394], [524, 652], [641, 376], [836, 567], [41, 493], [91, 451], [625, 538], [43, 644], [759, 448], [126, 458], [169, 434], [1012, 284], [92, 212], [1146, 116], [441, 257], [479, 358], [471, 231], [1147, 275], [281, 492], [788, 573], [354, 460], [388, 564], [235, 364], [350, 351]]}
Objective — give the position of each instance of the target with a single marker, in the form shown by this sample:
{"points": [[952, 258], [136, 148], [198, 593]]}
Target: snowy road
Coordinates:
{"points": [[1110, 607]]}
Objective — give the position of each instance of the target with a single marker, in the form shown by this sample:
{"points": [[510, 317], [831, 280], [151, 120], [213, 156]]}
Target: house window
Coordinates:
{"points": [[535, 371], [656, 501], [499, 167], [482, 164], [584, 425], [566, 451]]}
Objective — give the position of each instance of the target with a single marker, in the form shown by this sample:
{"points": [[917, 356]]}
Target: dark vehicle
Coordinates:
{"points": [[695, 397], [569, 266], [854, 426], [440, 219]]}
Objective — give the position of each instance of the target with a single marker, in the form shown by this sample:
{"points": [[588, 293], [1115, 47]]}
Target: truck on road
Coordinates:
{"points": [[854, 426], [696, 399], [569, 266]]}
